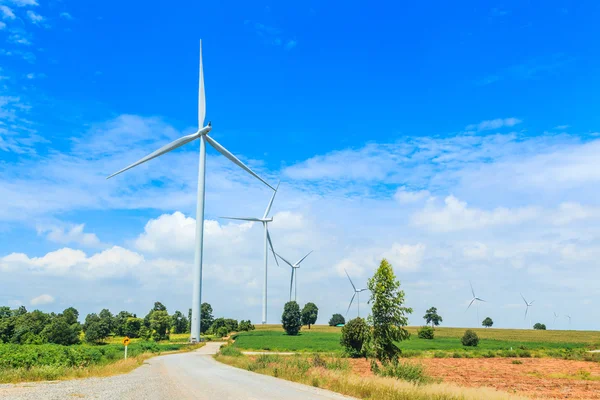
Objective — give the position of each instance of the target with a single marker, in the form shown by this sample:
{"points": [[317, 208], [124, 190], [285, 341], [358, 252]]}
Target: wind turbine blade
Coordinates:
{"points": [[350, 279], [243, 219], [234, 159], [350, 305], [201, 98], [271, 202], [286, 261], [271, 245], [478, 299], [470, 305], [291, 283], [472, 291], [302, 259], [526, 309], [165, 149], [531, 302], [524, 299]]}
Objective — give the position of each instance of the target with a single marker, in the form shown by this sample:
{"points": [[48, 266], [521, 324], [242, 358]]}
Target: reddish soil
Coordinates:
{"points": [[534, 378]]}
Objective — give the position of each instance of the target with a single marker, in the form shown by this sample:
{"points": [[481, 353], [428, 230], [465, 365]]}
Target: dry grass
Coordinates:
{"points": [[333, 376], [55, 373]]}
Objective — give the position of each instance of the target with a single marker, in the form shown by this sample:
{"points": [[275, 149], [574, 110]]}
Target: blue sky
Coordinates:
{"points": [[459, 141]]}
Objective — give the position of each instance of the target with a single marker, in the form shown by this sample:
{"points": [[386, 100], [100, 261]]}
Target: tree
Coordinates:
{"points": [[310, 312], [132, 327], [470, 338], [5, 312], [487, 322], [29, 326], [539, 326], [59, 331], [389, 315], [71, 315], [19, 311], [159, 325], [206, 317], [356, 337], [431, 317], [179, 322], [426, 332], [120, 321], [291, 319], [96, 329], [337, 319], [106, 316], [246, 326], [158, 306]]}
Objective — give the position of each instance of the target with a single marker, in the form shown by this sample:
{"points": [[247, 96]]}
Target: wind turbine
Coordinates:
{"points": [[356, 293], [527, 304], [568, 316], [294, 266], [202, 134], [554, 322], [265, 221], [474, 299]]}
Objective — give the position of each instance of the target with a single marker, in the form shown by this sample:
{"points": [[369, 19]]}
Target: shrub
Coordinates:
{"points": [[439, 354], [470, 338], [245, 326], [517, 362], [540, 327], [487, 322], [456, 355], [406, 371], [221, 332], [290, 319], [230, 351], [337, 319], [356, 337], [426, 332]]}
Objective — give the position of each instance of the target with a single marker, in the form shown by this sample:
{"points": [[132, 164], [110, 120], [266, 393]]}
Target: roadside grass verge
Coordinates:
{"points": [[329, 371], [305, 341], [26, 363]]}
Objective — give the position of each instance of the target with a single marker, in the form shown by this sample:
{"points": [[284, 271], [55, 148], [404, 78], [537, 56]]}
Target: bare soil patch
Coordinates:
{"points": [[544, 378]]}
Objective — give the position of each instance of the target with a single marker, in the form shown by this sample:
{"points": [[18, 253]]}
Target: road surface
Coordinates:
{"points": [[194, 375]]}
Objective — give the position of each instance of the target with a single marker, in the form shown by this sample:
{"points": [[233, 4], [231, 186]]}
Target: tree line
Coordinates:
{"points": [[20, 326]]}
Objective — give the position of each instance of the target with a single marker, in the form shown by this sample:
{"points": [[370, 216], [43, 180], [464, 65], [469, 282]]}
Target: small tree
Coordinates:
{"points": [[389, 314], [245, 326], [179, 322], [470, 338], [356, 337], [431, 317], [206, 317], [291, 319], [337, 319], [159, 325], [106, 316], [120, 321], [539, 326], [487, 322], [310, 313], [132, 327], [96, 329], [426, 332], [59, 331]]}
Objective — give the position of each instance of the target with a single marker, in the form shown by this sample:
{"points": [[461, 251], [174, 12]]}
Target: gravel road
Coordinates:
{"points": [[194, 375]]}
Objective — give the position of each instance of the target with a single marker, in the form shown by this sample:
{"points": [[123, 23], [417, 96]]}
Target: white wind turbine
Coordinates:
{"points": [[294, 267], [474, 299], [202, 134], [568, 316], [356, 293], [265, 221], [527, 304], [554, 322]]}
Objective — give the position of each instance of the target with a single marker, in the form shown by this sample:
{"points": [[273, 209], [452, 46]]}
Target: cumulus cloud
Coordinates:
{"points": [[6, 12], [404, 196], [33, 17], [493, 124], [66, 15], [24, 3], [74, 234], [405, 257], [42, 299]]}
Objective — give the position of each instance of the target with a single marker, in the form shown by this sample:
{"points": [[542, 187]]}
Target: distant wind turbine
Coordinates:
{"points": [[568, 316], [202, 134], [554, 322], [294, 266], [265, 221], [356, 293], [473, 300], [527, 304]]}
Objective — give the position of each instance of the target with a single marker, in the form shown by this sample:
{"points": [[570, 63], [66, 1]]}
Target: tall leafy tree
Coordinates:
{"points": [[96, 329], [5, 312], [487, 322], [291, 318], [179, 322], [71, 315], [431, 317], [120, 321], [59, 331], [337, 319], [310, 312], [389, 316], [206, 317], [107, 317], [159, 325]]}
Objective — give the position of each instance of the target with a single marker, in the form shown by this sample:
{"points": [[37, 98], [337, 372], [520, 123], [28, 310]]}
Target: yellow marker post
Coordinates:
{"points": [[126, 341]]}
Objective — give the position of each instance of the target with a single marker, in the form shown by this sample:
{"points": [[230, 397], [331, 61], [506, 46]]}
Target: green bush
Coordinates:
{"points": [[470, 338], [230, 351], [221, 332], [540, 327], [406, 371], [245, 326], [425, 332], [337, 319], [356, 338], [290, 319]]}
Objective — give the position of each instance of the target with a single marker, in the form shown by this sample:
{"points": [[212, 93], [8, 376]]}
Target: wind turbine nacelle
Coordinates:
{"points": [[205, 130]]}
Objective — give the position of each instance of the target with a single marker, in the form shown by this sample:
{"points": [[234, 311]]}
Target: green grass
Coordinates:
{"points": [[493, 343]]}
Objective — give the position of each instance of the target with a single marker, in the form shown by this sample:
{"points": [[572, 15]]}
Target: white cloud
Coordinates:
{"points": [[404, 196], [404, 257], [493, 124], [19, 39], [24, 3], [42, 299], [65, 15], [75, 234], [2, 25], [290, 44], [6, 12], [455, 215], [35, 18]]}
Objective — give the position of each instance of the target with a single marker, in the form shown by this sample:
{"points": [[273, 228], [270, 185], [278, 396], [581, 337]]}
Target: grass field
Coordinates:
{"points": [[326, 339]]}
